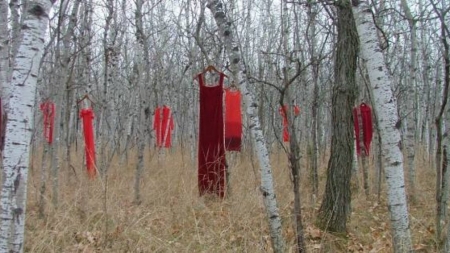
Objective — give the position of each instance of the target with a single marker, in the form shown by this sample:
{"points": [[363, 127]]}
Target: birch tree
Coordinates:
{"points": [[386, 107], [20, 124], [238, 69]]}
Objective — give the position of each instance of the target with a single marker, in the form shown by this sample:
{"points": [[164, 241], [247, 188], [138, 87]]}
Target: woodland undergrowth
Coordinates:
{"points": [[173, 218]]}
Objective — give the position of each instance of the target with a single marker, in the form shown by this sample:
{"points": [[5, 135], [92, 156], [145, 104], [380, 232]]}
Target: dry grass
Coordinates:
{"points": [[173, 218]]}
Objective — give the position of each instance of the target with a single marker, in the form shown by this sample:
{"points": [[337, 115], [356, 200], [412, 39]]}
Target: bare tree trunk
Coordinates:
{"points": [[67, 65], [386, 107], [4, 49], [269, 197], [412, 107], [312, 13], [294, 149], [442, 169], [16, 6], [20, 125], [335, 209]]}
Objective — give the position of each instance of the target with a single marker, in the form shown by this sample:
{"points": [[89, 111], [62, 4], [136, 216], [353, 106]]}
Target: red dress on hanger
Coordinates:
{"points": [[211, 148]]}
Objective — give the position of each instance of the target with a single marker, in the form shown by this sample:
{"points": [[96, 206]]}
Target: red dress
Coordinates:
{"points": [[211, 148], [163, 126], [233, 120]]}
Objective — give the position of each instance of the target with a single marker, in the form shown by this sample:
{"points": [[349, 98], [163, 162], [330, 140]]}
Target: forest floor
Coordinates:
{"points": [[100, 215]]}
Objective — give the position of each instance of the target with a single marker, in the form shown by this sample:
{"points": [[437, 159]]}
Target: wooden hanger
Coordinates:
{"points": [[86, 96], [233, 86], [211, 68]]}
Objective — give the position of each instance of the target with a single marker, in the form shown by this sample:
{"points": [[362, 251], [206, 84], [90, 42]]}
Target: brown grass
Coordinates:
{"points": [[173, 218]]}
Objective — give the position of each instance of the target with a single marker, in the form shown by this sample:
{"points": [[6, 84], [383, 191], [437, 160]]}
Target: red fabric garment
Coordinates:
{"points": [[211, 148], [233, 120], [367, 127], [283, 111], [163, 126], [48, 109], [88, 115]]}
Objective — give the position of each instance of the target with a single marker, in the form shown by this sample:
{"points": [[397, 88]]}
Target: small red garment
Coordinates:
{"points": [[48, 109], [283, 111], [233, 120], [163, 126], [367, 127], [211, 148], [88, 115]]}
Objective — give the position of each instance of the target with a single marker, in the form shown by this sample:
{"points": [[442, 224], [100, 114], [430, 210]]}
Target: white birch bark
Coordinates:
{"points": [[267, 189], [20, 124], [386, 106]]}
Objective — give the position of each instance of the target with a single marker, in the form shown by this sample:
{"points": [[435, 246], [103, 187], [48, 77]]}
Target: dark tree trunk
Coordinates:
{"points": [[335, 208]]}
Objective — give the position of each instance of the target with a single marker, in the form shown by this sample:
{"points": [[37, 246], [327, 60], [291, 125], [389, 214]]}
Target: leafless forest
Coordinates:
{"points": [[365, 167]]}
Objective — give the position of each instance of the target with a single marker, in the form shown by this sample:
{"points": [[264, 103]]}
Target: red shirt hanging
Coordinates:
{"points": [[233, 120], [367, 127], [163, 126], [282, 111], [87, 114], [48, 109], [211, 148]]}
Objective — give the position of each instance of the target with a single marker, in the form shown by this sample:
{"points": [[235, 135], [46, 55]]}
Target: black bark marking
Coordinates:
{"points": [[219, 15], [37, 11], [396, 163], [355, 3], [17, 212], [398, 124], [17, 183]]}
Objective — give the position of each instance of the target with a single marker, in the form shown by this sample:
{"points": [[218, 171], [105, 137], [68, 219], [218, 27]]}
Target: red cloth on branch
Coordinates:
{"points": [[163, 126], [233, 120], [88, 115], [211, 148], [48, 109], [367, 127], [283, 112]]}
